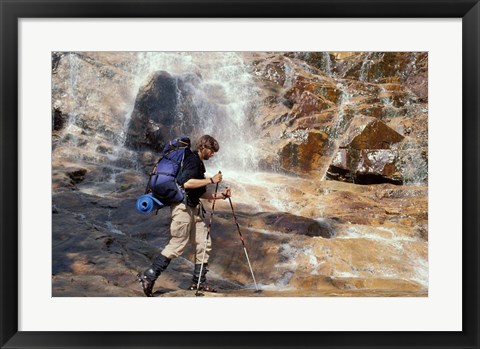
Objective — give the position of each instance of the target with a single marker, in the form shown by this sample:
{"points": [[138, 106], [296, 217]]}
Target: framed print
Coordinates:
{"points": [[334, 149]]}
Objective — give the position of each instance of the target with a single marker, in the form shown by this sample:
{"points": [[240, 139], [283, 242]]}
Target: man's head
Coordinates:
{"points": [[206, 147]]}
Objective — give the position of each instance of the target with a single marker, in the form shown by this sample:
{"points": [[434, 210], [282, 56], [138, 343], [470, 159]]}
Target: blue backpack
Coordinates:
{"points": [[162, 187]]}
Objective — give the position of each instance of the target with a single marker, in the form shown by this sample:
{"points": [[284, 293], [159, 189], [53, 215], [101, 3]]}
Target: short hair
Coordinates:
{"points": [[208, 142]]}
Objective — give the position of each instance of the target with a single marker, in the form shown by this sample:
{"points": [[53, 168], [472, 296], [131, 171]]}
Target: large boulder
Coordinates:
{"points": [[163, 110], [365, 155], [154, 112], [304, 152], [366, 166], [375, 134], [373, 152]]}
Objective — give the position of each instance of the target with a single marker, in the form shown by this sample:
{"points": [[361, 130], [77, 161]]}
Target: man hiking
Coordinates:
{"points": [[187, 222]]}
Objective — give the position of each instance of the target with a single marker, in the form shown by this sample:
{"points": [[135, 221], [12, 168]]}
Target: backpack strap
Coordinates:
{"points": [[148, 188], [185, 195], [181, 163], [165, 174]]}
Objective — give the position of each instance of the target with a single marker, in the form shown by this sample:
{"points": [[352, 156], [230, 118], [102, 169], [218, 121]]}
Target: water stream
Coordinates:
{"points": [[223, 95]]}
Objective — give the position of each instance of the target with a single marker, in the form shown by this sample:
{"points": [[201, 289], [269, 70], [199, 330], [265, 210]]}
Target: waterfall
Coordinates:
{"points": [[327, 63], [414, 163], [385, 97], [71, 89], [83, 88], [364, 69], [341, 122], [222, 92]]}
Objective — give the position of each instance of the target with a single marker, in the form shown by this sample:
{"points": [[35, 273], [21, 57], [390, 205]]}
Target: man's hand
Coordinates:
{"points": [[226, 193], [217, 178]]}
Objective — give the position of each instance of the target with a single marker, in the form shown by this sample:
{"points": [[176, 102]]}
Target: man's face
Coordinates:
{"points": [[207, 153]]}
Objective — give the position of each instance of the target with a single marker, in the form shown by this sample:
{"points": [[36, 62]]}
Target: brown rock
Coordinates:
{"points": [[291, 224], [379, 284], [375, 135], [375, 66], [309, 104], [275, 73], [59, 119], [366, 166], [305, 157], [60, 180], [318, 86], [77, 175], [365, 155], [413, 128]]}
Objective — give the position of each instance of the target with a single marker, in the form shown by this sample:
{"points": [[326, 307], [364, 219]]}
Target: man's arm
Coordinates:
{"points": [[193, 183], [223, 195], [196, 183]]}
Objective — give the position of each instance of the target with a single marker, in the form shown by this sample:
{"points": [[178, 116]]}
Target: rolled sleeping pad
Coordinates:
{"points": [[147, 203]]}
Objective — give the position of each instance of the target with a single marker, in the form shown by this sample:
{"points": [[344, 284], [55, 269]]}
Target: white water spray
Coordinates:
{"points": [[223, 96]]}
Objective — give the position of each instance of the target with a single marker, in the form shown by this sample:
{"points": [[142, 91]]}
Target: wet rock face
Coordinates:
{"points": [[367, 158], [374, 66], [77, 175], [304, 235], [375, 135], [291, 224], [89, 94], [312, 95], [59, 119], [305, 153], [365, 167], [346, 116]]}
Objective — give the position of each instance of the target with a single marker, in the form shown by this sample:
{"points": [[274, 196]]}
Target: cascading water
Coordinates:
{"points": [[363, 74], [222, 94], [327, 63], [341, 123], [71, 91], [90, 100], [385, 97]]}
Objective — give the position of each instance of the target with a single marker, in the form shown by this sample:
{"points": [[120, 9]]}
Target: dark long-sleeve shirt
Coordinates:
{"points": [[194, 168]]}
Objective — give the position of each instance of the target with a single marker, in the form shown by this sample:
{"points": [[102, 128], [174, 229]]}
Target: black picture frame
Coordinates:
{"points": [[12, 11]]}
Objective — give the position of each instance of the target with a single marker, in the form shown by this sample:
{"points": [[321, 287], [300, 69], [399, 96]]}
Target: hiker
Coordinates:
{"points": [[187, 222]]}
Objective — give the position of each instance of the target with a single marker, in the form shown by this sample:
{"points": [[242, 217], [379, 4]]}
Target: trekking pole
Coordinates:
{"points": [[243, 243], [206, 238]]}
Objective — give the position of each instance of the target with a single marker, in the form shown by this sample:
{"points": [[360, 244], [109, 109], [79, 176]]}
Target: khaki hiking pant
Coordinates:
{"points": [[186, 226]]}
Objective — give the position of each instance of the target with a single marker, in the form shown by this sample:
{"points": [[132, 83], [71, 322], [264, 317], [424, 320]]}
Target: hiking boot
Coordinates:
{"points": [[148, 277], [147, 286], [203, 287]]}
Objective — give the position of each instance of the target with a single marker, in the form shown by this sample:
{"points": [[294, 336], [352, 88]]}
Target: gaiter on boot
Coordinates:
{"points": [[160, 263], [196, 273]]}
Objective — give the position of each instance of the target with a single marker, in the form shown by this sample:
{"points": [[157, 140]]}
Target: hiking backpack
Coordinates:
{"points": [[162, 183]]}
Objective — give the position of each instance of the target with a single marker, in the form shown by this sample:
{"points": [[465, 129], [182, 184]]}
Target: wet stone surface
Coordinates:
{"points": [[360, 118]]}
